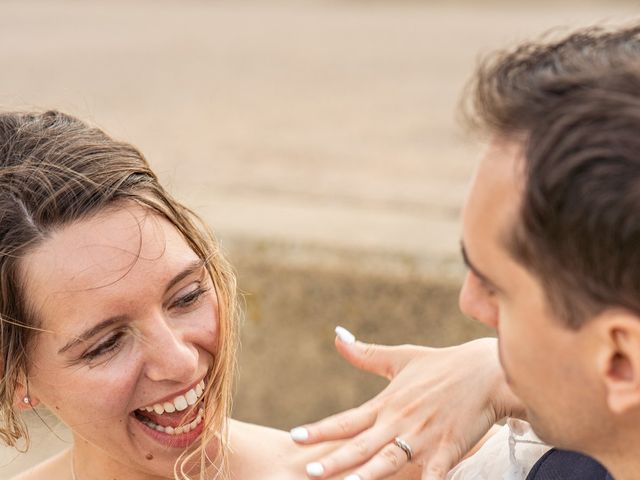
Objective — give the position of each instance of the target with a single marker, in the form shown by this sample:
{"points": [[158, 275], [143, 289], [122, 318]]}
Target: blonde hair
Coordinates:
{"points": [[56, 170]]}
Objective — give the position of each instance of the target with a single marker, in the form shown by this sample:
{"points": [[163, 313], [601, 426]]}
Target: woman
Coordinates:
{"points": [[118, 314]]}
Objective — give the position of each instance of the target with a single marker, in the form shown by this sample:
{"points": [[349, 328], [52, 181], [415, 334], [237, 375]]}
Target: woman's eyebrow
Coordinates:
{"points": [[190, 269]]}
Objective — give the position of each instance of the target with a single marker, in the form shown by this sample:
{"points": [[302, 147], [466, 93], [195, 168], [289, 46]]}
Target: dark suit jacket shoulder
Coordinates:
{"points": [[564, 465]]}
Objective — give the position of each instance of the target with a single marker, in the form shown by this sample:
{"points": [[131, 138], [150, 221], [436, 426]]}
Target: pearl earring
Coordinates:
{"points": [[26, 400]]}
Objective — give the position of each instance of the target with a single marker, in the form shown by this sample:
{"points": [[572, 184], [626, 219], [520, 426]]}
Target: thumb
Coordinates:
{"points": [[380, 360]]}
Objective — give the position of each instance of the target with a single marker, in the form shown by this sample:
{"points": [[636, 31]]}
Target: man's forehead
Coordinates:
{"points": [[503, 160], [494, 197]]}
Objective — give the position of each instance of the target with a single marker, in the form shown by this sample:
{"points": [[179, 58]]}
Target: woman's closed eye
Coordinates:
{"points": [[191, 298], [110, 345]]}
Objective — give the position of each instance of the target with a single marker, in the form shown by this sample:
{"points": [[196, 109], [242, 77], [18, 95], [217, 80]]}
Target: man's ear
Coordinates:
{"points": [[619, 358]]}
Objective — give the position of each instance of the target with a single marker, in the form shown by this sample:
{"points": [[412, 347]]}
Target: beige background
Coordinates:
{"points": [[319, 140]]}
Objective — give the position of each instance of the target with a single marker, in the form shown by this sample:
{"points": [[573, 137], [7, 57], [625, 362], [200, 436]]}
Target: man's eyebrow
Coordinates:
{"points": [[473, 268], [190, 269]]}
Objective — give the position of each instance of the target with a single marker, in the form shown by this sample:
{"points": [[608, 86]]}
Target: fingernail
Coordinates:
{"points": [[299, 434], [315, 469], [345, 336], [353, 476]]}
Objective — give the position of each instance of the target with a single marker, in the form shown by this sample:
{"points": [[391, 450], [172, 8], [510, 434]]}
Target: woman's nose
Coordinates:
{"points": [[168, 355], [476, 302]]}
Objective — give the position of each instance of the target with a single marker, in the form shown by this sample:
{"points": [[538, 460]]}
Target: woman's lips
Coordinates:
{"points": [[180, 435]]}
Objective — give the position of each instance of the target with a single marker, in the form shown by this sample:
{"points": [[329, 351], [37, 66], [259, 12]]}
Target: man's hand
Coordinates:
{"points": [[441, 401]]}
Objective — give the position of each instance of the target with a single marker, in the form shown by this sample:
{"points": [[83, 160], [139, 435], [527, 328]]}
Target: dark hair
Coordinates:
{"points": [[56, 170], [574, 104]]}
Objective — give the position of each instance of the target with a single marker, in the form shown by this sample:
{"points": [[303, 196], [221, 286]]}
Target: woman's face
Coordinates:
{"points": [[130, 320]]}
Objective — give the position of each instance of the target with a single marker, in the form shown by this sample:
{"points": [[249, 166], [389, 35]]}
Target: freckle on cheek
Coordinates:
{"points": [[149, 456]]}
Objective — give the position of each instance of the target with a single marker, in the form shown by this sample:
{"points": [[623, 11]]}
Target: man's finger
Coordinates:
{"points": [[340, 426]]}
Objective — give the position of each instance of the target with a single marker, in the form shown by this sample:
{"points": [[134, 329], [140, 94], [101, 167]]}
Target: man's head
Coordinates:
{"points": [[553, 223]]}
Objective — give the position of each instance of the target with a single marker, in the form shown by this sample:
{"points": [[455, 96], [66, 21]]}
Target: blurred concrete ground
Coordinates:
{"points": [[318, 138]]}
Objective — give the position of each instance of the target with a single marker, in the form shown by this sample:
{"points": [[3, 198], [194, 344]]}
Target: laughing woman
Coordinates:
{"points": [[118, 314]]}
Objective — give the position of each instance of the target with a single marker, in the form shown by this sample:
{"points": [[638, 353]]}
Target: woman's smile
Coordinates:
{"points": [[176, 430], [176, 420]]}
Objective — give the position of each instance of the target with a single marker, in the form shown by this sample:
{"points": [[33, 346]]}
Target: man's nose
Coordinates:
{"points": [[168, 355], [476, 303]]}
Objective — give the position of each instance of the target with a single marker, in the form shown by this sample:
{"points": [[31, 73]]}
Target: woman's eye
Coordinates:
{"points": [[109, 345], [190, 298]]}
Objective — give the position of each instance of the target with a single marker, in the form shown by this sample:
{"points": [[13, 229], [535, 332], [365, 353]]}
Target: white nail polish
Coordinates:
{"points": [[299, 434], [353, 476], [315, 469], [345, 336]]}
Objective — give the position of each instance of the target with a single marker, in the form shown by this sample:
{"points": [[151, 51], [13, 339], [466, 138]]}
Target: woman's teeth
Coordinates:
{"points": [[176, 430], [179, 403]]}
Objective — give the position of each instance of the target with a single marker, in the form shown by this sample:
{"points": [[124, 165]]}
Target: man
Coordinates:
{"points": [[551, 236]]}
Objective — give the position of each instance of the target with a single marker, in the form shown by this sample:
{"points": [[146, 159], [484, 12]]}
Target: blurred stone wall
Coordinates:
{"points": [[290, 372]]}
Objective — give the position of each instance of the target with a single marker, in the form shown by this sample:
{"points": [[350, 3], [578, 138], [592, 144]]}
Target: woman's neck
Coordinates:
{"points": [[88, 462]]}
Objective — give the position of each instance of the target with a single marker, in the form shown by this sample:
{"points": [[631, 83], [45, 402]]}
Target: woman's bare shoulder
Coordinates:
{"points": [[53, 468], [284, 459]]}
